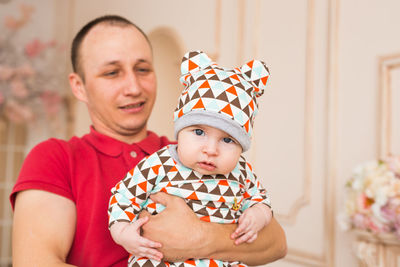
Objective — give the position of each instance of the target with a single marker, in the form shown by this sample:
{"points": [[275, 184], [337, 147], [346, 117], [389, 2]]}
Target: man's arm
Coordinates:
{"points": [[184, 236], [43, 229]]}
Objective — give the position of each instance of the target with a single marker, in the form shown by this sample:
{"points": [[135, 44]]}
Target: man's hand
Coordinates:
{"points": [[128, 236], [177, 228], [184, 236]]}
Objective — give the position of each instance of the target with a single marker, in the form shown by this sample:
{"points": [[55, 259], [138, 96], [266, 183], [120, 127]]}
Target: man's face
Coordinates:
{"points": [[120, 83]]}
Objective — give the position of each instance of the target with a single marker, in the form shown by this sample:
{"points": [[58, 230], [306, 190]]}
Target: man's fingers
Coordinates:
{"points": [[161, 198]]}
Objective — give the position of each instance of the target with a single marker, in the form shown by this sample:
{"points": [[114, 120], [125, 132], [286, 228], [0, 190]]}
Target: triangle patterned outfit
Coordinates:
{"points": [[213, 198]]}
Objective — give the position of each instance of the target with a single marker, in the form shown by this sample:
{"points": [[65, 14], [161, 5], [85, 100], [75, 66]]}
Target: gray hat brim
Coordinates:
{"points": [[216, 120]]}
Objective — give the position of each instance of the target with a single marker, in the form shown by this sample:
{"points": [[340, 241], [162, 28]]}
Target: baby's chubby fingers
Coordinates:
{"points": [[241, 229], [245, 238], [252, 238]]}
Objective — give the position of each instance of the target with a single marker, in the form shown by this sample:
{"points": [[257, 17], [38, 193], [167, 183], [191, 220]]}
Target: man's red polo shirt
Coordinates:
{"points": [[84, 170]]}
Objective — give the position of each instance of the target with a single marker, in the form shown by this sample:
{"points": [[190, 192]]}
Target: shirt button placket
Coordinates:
{"points": [[133, 154]]}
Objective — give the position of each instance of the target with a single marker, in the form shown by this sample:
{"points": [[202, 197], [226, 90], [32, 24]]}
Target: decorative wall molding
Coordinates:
{"points": [[217, 35], [387, 64], [304, 199], [332, 161]]}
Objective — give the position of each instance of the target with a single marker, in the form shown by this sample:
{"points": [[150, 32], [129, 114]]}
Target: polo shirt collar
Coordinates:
{"points": [[113, 147]]}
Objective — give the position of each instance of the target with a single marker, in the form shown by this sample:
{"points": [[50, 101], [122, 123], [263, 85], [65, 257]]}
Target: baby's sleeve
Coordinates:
{"points": [[255, 192], [128, 196]]}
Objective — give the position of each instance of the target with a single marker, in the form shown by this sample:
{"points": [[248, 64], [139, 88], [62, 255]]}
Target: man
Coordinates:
{"points": [[55, 224]]}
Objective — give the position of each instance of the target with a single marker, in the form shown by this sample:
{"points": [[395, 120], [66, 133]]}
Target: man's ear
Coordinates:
{"points": [[77, 87]]}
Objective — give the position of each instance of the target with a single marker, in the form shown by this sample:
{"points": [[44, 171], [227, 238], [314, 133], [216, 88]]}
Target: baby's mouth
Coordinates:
{"points": [[209, 166]]}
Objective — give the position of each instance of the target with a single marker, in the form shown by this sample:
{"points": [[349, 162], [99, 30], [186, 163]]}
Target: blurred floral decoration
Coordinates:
{"points": [[31, 84], [373, 197]]}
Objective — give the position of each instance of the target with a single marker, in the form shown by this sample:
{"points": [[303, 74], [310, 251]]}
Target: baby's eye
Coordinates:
{"points": [[199, 132], [228, 140]]}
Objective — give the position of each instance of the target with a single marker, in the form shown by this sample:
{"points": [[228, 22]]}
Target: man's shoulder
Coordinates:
{"points": [[56, 144]]}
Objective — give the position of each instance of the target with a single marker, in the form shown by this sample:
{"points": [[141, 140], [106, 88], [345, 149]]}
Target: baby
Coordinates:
{"points": [[213, 126]]}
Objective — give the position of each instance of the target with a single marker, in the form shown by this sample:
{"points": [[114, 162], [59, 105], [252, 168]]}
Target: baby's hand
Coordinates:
{"points": [[251, 222], [128, 236]]}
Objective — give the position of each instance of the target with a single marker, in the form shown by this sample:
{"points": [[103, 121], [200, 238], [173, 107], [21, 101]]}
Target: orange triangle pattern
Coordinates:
{"points": [[249, 165], [234, 76], [246, 126], [223, 182], [143, 185], [212, 71], [198, 105], [180, 113], [130, 215], [205, 218], [246, 195], [152, 205], [113, 200], [173, 169], [193, 196], [251, 104], [164, 190], [191, 262], [227, 109], [213, 263], [205, 85], [192, 65], [264, 80], [156, 168], [232, 90]]}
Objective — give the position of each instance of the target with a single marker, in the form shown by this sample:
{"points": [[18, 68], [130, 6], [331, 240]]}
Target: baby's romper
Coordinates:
{"points": [[213, 198]]}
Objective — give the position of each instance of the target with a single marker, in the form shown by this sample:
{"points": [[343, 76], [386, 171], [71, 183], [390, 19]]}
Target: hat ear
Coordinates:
{"points": [[257, 73], [192, 62]]}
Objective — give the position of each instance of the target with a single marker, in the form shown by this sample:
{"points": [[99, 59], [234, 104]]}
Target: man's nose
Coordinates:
{"points": [[132, 85]]}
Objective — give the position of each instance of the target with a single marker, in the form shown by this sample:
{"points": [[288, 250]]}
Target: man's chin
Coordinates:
{"points": [[131, 130]]}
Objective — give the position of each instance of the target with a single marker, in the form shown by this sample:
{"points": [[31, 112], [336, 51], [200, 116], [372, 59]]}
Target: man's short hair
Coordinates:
{"points": [[112, 20]]}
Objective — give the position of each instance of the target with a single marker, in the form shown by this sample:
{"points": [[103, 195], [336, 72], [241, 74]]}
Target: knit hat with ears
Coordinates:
{"points": [[222, 98]]}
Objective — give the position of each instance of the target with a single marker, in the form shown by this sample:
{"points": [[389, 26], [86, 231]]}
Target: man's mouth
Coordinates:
{"points": [[132, 106]]}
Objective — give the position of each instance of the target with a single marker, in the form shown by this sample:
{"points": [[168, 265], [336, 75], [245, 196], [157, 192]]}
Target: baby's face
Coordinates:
{"points": [[208, 150]]}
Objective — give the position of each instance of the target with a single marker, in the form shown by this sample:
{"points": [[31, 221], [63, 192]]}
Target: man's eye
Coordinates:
{"points": [[228, 140], [111, 73], [199, 131], [143, 70]]}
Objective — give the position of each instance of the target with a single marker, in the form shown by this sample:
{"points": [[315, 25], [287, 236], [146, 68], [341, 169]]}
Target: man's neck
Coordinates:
{"points": [[124, 136]]}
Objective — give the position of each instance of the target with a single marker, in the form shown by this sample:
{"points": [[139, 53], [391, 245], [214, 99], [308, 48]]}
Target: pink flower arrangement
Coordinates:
{"points": [[373, 197], [30, 74]]}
